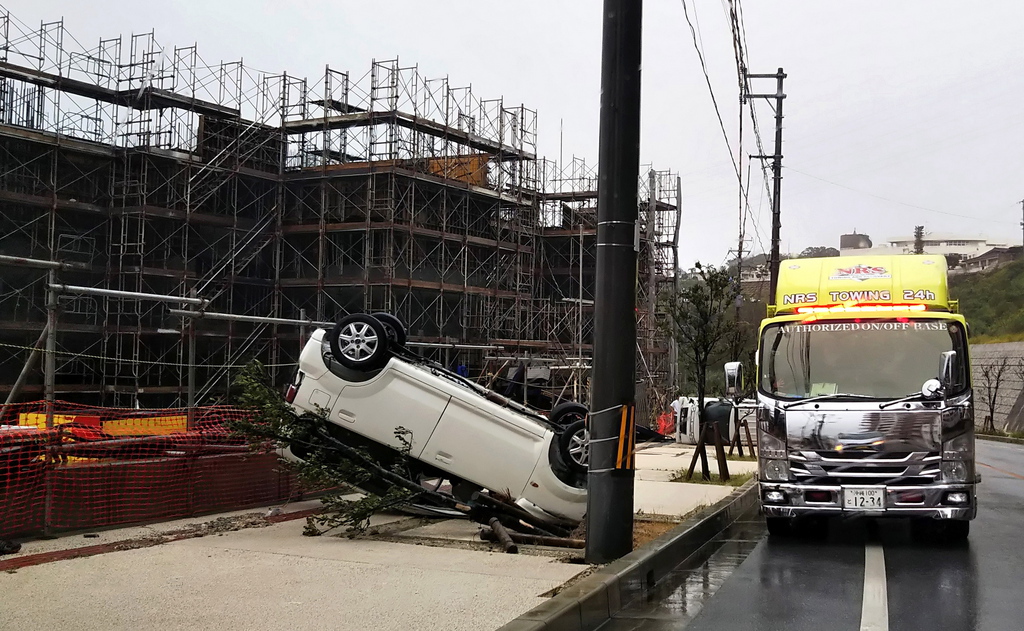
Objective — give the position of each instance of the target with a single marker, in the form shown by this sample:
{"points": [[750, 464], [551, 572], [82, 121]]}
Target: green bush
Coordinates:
{"points": [[992, 302]]}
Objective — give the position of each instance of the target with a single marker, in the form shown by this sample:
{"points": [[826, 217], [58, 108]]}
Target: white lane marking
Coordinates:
{"points": [[874, 613]]}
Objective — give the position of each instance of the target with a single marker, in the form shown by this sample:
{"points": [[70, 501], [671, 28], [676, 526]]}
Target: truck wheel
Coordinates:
{"points": [[394, 327], [779, 526], [567, 413], [574, 446], [921, 529], [814, 527], [956, 530], [360, 342], [940, 530]]}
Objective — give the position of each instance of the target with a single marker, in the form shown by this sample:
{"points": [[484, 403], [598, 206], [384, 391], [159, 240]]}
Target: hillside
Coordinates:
{"points": [[993, 302]]}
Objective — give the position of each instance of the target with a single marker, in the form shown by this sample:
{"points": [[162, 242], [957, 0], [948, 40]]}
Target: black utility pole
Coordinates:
{"points": [[610, 482], [779, 96]]}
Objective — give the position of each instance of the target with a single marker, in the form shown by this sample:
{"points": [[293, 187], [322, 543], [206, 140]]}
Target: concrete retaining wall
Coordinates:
{"points": [[1009, 408]]}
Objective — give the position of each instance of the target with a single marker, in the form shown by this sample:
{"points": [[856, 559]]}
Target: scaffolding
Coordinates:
{"points": [[143, 169]]}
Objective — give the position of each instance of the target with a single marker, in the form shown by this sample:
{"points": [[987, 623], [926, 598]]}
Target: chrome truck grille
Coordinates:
{"points": [[865, 467]]}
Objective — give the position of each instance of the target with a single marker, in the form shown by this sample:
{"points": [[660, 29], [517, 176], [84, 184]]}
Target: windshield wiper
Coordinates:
{"points": [[824, 397], [909, 397]]}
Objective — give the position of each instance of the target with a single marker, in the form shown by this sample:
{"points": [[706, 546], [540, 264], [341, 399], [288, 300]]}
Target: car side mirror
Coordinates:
{"points": [[733, 378], [948, 369]]}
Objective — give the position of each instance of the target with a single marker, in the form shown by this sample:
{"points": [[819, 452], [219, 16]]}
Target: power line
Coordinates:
{"points": [[757, 216], [894, 201], [711, 90], [735, 16], [738, 27], [739, 49], [742, 28]]}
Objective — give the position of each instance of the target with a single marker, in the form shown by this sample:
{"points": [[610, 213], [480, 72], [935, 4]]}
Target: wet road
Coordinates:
{"points": [[865, 575]]}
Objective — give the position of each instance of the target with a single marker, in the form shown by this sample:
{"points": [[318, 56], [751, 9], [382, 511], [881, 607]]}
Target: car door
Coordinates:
{"points": [[486, 444], [398, 397]]}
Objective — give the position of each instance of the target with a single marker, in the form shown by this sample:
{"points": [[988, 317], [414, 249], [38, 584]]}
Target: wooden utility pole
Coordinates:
{"points": [[779, 96]]}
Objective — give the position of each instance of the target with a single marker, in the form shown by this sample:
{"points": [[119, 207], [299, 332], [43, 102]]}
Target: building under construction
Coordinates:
{"points": [[258, 201]]}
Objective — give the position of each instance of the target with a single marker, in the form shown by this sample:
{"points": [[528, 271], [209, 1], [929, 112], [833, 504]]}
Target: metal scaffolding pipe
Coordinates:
{"points": [[38, 263], [25, 370], [460, 347], [115, 293], [535, 360], [184, 313], [307, 323], [232, 317]]}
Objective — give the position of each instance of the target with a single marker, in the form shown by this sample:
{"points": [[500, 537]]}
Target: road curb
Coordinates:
{"points": [[594, 600], [1000, 439]]}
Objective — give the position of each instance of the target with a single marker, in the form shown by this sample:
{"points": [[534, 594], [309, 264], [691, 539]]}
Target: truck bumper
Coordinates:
{"points": [[931, 501]]}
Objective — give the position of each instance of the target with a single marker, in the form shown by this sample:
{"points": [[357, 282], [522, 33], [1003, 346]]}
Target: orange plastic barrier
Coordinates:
{"points": [[99, 467]]}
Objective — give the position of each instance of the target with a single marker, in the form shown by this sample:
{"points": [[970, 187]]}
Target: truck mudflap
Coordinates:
{"points": [[938, 501]]}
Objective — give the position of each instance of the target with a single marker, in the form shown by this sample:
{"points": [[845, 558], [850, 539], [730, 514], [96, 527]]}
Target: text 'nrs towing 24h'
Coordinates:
{"points": [[864, 395]]}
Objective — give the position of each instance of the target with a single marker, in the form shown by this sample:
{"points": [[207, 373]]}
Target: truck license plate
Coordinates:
{"points": [[863, 499]]}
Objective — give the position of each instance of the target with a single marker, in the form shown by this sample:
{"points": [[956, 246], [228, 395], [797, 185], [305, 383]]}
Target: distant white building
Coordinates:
{"points": [[934, 243], [948, 243]]}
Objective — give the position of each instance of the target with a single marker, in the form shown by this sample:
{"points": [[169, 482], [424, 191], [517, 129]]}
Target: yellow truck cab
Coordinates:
{"points": [[864, 395]]}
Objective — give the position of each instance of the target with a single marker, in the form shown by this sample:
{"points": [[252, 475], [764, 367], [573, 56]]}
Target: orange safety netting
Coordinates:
{"points": [[95, 467]]}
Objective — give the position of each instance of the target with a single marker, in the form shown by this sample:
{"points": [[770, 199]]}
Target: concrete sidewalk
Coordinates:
{"points": [[272, 577], [660, 463], [275, 578]]}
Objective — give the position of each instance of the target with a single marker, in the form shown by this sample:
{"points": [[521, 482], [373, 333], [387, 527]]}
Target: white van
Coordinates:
{"points": [[363, 379]]}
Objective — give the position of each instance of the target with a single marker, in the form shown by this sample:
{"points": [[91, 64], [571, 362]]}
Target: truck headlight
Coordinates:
{"points": [[775, 470], [959, 448], [769, 446], [957, 470]]}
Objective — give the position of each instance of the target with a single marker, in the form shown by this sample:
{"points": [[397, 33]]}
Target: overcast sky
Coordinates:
{"points": [[898, 113]]}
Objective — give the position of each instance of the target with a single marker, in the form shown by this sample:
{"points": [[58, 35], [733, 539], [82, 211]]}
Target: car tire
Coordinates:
{"points": [[360, 342], [779, 526], [394, 327], [574, 446], [565, 414]]}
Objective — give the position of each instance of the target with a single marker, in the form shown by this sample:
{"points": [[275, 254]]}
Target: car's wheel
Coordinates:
{"points": [[574, 445], [779, 526], [565, 414], [394, 327], [360, 342]]}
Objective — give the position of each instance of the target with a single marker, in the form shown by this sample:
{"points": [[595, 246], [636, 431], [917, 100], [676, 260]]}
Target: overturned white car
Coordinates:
{"points": [[361, 376]]}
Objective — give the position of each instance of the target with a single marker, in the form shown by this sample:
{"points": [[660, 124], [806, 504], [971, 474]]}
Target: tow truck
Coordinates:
{"points": [[864, 400]]}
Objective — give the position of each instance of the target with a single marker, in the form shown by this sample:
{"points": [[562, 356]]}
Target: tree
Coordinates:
{"points": [[992, 374], [702, 318], [818, 251], [1013, 421], [953, 260], [918, 239], [274, 422]]}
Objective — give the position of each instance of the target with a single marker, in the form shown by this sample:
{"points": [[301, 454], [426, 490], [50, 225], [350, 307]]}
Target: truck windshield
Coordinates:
{"points": [[883, 359]]}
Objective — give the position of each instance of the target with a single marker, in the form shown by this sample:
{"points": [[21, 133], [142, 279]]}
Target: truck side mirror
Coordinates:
{"points": [[948, 369], [733, 378]]}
